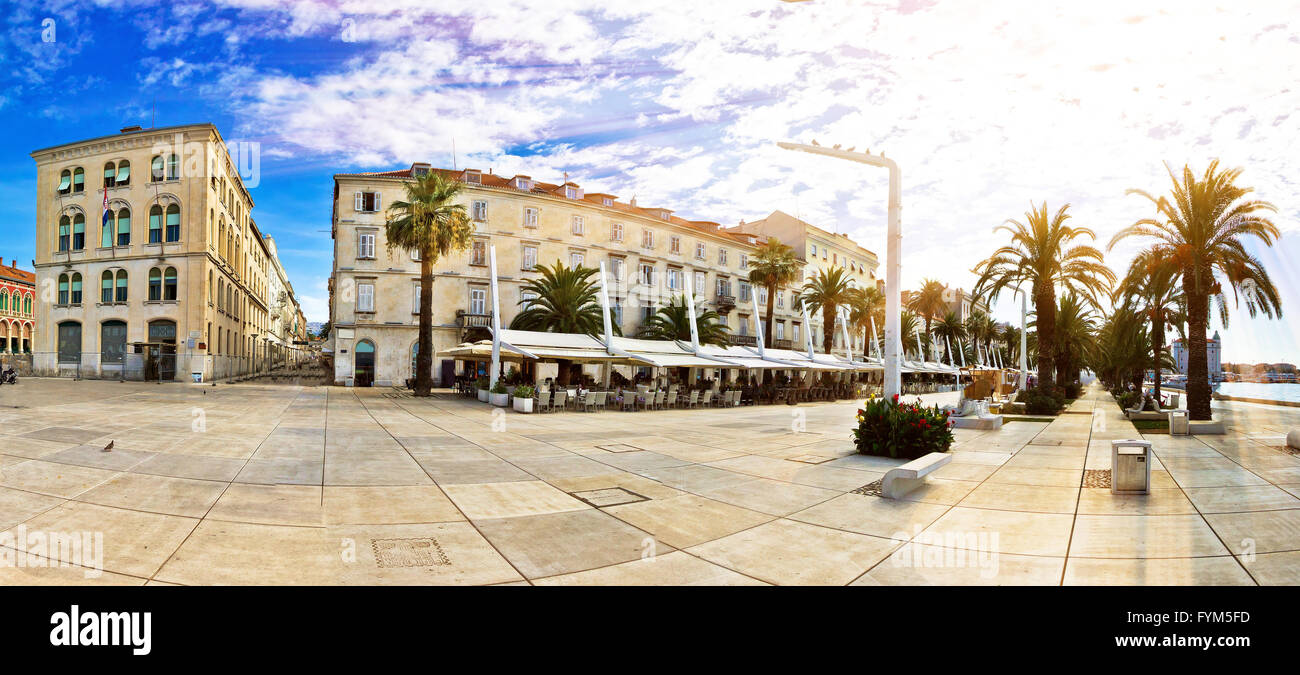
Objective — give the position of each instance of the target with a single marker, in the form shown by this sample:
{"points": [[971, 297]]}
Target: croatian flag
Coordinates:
{"points": [[104, 220]]}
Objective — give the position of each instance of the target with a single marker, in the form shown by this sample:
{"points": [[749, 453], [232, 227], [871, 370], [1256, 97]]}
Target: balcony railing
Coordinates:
{"points": [[725, 302], [744, 340], [783, 344], [467, 320]]}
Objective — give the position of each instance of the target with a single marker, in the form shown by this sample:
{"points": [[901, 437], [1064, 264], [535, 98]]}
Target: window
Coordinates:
{"points": [[572, 192], [616, 312], [69, 342], [173, 232], [65, 232], [169, 284], [835, 258], [478, 210], [75, 298], [366, 202], [780, 299], [472, 176], [762, 296], [366, 246], [699, 251], [722, 256], [675, 245], [110, 174], [174, 167], [576, 259], [478, 253], [528, 257], [106, 231], [156, 171], [744, 325], [79, 232], [814, 250], [780, 330], [63, 289], [415, 296], [647, 274], [65, 182], [674, 279], [526, 300], [700, 280], [724, 287], [121, 287], [123, 173], [578, 226], [105, 288], [530, 217], [365, 297], [155, 224], [794, 332], [746, 292], [523, 184], [155, 284], [112, 341], [478, 301], [616, 269], [744, 261], [78, 180], [616, 232], [648, 239]]}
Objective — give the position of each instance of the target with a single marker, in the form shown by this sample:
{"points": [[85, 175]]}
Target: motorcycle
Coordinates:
{"points": [[9, 377]]}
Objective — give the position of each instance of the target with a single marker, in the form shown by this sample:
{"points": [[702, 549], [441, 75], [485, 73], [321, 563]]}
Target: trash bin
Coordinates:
{"points": [[1178, 423], [1130, 467]]}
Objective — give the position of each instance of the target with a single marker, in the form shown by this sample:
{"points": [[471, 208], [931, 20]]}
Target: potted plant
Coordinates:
{"points": [[500, 397], [523, 398], [893, 428], [482, 385]]}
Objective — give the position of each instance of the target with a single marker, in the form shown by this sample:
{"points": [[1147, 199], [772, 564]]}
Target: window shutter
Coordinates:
{"points": [[379, 199], [356, 202]]}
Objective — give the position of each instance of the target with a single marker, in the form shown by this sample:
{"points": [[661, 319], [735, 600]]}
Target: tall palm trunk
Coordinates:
{"points": [[767, 323], [1045, 309], [424, 358], [1198, 376], [828, 327], [1158, 348]]}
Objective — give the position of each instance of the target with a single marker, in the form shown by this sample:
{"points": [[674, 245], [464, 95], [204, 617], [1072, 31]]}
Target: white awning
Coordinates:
{"points": [[742, 358], [665, 354], [799, 360]]}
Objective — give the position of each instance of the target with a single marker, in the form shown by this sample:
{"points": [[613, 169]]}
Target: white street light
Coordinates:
{"points": [[893, 249]]}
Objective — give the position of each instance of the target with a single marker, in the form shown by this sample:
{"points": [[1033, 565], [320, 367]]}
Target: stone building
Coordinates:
{"points": [[17, 309]]}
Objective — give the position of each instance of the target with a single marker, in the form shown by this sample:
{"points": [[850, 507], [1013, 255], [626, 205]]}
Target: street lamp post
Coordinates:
{"points": [[893, 248]]}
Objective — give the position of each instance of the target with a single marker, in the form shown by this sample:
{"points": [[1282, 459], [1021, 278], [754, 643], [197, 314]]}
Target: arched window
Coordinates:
{"points": [[155, 284], [123, 173], [70, 342], [27, 305], [221, 295], [78, 180], [169, 284], [221, 240], [124, 227], [75, 297], [65, 232], [121, 286], [106, 231], [110, 174], [155, 224], [65, 182], [173, 167], [112, 341], [4, 300], [63, 289], [173, 223], [106, 287], [79, 232]]}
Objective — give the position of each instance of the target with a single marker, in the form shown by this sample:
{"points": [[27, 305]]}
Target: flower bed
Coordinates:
{"points": [[890, 428]]}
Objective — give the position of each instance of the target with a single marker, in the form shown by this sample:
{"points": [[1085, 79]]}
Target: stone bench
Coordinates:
{"points": [[903, 479]]}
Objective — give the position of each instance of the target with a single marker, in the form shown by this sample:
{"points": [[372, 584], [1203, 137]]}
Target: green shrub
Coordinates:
{"points": [[1073, 389], [499, 387], [1041, 401], [481, 382], [889, 428], [1128, 399], [524, 391]]}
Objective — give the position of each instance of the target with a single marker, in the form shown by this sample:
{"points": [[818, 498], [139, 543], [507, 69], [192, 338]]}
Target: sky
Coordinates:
{"points": [[986, 106]]}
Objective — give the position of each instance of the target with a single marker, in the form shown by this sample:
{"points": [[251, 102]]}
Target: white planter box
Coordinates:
{"points": [[500, 400], [524, 405], [483, 395]]}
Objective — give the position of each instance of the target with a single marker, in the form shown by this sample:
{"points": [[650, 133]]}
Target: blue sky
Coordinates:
{"points": [[986, 106]]}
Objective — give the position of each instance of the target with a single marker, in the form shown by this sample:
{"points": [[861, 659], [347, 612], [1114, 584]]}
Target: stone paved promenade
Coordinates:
{"points": [[254, 484]]}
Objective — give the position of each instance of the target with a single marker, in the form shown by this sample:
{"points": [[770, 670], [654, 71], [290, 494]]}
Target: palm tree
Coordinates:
{"points": [[566, 302], [980, 328], [672, 322], [773, 266], [429, 223], [908, 323], [929, 302], [1151, 288], [1199, 230], [1011, 339], [1076, 329], [952, 331], [866, 305], [1040, 255], [1122, 349], [827, 291]]}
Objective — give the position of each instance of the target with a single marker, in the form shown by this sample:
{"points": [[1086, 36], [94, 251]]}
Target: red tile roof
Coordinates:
{"points": [[11, 273]]}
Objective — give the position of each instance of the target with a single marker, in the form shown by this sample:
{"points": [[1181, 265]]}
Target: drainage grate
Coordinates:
{"points": [[1096, 478], [809, 459], [418, 552], [871, 489], [619, 447], [609, 496]]}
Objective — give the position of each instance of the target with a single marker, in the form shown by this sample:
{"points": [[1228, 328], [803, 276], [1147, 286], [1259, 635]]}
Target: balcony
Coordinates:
{"points": [[725, 303], [783, 344], [468, 322], [744, 340]]}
